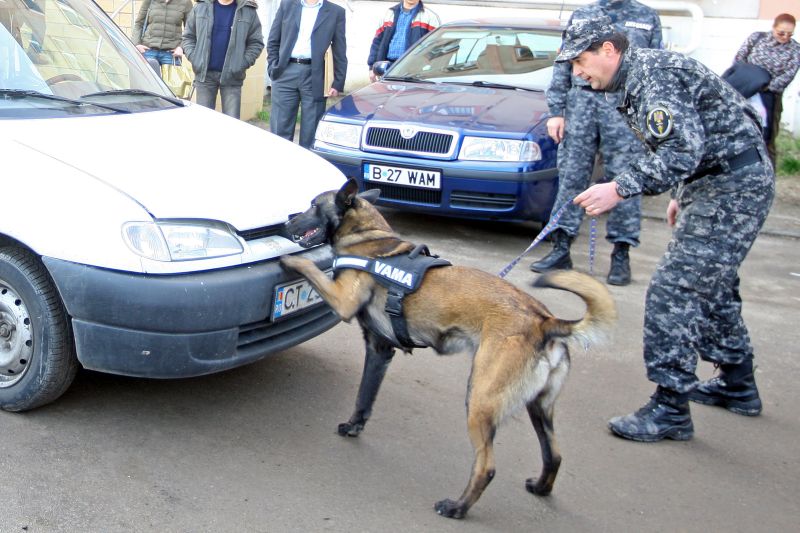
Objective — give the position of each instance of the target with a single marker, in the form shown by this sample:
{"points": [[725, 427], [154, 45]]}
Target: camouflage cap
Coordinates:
{"points": [[582, 33]]}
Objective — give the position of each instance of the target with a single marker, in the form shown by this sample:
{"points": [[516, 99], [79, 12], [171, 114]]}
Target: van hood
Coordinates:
{"points": [[188, 162], [450, 105]]}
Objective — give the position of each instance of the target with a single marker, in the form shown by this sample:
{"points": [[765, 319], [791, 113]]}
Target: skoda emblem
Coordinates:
{"points": [[407, 132]]}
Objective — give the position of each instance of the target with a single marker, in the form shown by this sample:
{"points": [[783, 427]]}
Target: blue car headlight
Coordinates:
{"points": [[508, 150], [339, 133]]}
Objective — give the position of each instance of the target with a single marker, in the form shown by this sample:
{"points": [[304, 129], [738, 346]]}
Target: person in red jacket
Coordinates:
{"points": [[402, 25]]}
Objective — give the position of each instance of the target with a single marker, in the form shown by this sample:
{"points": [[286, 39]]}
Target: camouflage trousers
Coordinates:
{"points": [[592, 124], [693, 307]]}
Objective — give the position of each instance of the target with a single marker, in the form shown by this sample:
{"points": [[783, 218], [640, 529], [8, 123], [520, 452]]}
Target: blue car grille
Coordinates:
{"points": [[482, 200], [424, 142], [407, 194]]}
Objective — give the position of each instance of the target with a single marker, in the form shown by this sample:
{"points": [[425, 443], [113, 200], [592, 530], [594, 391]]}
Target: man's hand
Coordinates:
{"points": [[555, 128], [178, 52], [372, 76], [333, 92], [672, 212], [599, 198], [142, 48]]}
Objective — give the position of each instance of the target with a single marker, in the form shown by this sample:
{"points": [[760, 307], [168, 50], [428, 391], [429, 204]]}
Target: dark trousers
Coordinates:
{"points": [[773, 102], [290, 92], [592, 125], [693, 306]]}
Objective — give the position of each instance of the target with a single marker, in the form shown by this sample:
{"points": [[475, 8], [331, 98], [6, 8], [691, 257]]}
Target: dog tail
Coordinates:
{"points": [[601, 313]]}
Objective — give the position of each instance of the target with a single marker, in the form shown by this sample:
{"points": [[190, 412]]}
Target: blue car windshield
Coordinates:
{"points": [[507, 56], [54, 54]]}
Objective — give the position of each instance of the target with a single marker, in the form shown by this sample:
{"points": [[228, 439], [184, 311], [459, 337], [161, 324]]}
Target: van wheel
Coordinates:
{"points": [[37, 361]]}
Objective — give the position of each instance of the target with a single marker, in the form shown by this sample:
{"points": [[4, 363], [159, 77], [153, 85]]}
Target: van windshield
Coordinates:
{"points": [[70, 49]]}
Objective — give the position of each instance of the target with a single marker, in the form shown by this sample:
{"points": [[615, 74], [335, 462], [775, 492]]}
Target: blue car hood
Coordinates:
{"points": [[455, 106]]}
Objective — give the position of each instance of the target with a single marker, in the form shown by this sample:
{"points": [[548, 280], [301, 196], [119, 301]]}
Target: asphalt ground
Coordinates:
{"points": [[255, 449]]}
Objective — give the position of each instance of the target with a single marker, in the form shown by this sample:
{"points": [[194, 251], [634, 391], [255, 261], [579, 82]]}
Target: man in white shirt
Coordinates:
{"points": [[300, 35]]}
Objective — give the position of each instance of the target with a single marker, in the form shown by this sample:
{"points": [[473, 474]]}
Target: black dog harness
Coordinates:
{"points": [[401, 275]]}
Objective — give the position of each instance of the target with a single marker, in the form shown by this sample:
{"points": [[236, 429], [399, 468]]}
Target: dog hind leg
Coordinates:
{"points": [[540, 410], [542, 419], [376, 362]]}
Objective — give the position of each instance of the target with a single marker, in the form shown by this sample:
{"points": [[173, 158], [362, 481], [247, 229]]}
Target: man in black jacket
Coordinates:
{"points": [[222, 40]]}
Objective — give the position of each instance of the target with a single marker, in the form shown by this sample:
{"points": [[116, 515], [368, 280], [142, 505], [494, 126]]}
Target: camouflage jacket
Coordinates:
{"points": [[639, 22], [688, 117]]}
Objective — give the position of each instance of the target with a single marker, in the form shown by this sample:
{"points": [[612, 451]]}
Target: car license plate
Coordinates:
{"points": [[293, 297], [408, 177]]}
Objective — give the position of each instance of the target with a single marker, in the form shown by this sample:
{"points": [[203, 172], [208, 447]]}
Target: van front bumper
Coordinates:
{"points": [[177, 326]]}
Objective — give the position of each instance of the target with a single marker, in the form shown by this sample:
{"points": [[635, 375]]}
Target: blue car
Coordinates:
{"points": [[456, 126]]}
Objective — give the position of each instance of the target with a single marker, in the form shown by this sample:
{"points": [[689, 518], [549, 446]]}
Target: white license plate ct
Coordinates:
{"points": [[409, 177], [293, 297]]}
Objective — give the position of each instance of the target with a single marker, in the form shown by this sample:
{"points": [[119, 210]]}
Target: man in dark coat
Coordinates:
{"points": [[300, 35], [222, 40]]}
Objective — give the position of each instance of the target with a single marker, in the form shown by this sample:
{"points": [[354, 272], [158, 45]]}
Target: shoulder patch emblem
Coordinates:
{"points": [[659, 122]]}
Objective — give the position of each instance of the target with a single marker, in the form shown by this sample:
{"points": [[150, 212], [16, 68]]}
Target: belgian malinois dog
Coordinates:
{"points": [[519, 349]]}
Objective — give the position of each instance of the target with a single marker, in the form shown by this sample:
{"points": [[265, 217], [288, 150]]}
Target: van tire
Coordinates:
{"points": [[37, 357]]}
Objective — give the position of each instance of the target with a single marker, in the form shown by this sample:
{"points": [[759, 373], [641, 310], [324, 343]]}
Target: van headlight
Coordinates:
{"points": [[484, 149], [180, 240], [339, 133]]}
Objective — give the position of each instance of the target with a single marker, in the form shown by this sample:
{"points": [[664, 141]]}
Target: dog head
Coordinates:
{"points": [[320, 222]]}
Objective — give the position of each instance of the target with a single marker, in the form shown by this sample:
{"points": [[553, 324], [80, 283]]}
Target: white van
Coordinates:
{"points": [[139, 234]]}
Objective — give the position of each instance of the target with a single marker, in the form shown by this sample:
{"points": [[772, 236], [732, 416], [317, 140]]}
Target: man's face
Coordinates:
{"points": [[410, 4], [598, 67]]}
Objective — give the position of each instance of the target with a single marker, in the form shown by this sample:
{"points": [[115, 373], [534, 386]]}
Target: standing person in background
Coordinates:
{"points": [[583, 122], [779, 54], [158, 28], [402, 25], [300, 35], [222, 40]]}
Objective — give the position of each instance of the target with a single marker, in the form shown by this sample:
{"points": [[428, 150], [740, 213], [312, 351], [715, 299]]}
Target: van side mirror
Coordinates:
{"points": [[380, 67]]}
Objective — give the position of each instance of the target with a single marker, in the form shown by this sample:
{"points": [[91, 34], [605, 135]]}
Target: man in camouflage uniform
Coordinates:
{"points": [[704, 142], [582, 121]]}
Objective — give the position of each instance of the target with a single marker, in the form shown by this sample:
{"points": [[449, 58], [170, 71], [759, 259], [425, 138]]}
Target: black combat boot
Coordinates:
{"points": [[558, 258], [666, 416], [734, 388], [620, 271]]}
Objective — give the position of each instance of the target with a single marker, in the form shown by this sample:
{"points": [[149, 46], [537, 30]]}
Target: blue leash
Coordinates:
{"points": [[547, 230]]}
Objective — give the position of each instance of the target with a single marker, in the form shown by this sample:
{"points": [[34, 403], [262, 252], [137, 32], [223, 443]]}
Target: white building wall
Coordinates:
{"points": [[724, 27]]}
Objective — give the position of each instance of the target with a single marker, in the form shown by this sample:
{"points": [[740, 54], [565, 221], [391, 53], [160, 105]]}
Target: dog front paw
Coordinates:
{"points": [[347, 429], [290, 262], [450, 509], [537, 487]]}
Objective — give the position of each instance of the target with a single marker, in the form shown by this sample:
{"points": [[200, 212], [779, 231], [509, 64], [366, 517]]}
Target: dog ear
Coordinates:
{"points": [[345, 196], [371, 195]]}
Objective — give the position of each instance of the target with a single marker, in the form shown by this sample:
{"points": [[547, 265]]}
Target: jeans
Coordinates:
{"points": [[164, 57], [207, 94]]}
